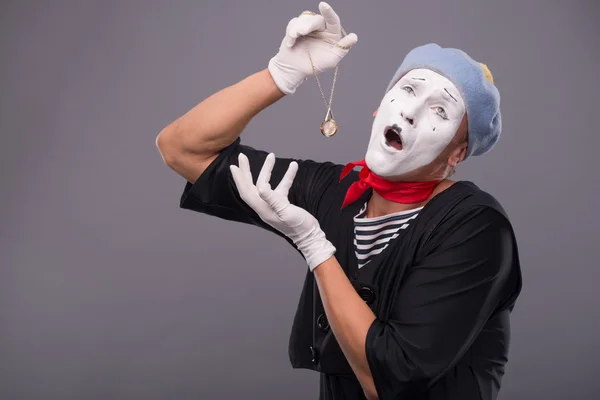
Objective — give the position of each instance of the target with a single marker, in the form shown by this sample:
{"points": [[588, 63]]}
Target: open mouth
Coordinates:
{"points": [[392, 137]]}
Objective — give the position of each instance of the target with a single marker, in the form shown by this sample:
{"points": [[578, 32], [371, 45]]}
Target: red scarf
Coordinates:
{"points": [[399, 192]]}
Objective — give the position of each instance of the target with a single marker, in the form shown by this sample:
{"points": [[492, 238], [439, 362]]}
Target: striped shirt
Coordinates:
{"points": [[372, 235]]}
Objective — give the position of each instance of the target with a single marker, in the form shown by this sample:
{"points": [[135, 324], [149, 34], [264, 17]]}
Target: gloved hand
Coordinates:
{"points": [[273, 207], [321, 35]]}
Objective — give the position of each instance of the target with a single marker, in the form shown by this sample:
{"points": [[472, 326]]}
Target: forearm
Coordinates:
{"points": [[349, 317], [219, 120]]}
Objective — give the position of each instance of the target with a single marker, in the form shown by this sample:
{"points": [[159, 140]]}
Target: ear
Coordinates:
{"points": [[460, 151], [457, 155], [375, 113]]}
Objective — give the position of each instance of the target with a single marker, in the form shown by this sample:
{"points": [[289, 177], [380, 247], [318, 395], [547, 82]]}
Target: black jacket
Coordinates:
{"points": [[442, 291]]}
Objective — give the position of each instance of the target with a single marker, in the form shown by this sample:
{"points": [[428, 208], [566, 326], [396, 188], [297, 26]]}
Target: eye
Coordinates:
{"points": [[408, 90], [441, 112]]}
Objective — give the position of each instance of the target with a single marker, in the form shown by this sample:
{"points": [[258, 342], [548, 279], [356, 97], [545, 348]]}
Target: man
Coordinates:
{"points": [[411, 276]]}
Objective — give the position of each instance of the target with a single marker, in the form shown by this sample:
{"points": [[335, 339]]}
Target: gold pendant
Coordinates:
{"points": [[329, 127]]}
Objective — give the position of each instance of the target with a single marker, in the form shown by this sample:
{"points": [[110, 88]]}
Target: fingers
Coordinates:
{"points": [[331, 18], [349, 40], [265, 172], [252, 194], [302, 26], [309, 23], [245, 172], [242, 176], [286, 182], [264, 176], [277, 202], [245, 176], [239, 181], [290, 32], [267, 194]]}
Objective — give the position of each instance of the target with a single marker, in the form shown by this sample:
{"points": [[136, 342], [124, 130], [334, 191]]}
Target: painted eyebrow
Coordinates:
{"points": [[419, 79], [450, 95]]}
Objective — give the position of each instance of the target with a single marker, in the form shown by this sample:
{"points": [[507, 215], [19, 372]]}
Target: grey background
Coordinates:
{"points": [[109, 291]]}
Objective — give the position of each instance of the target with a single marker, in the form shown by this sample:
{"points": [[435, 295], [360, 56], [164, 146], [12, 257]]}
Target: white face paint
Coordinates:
{"points": [[424, 110]]}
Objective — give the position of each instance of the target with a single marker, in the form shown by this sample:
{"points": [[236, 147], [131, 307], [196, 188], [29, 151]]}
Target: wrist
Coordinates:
{"points": [[319, 257], [315, 248], [286, 78], [319, 254]]}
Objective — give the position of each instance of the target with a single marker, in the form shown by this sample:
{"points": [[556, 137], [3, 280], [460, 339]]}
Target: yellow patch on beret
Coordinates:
{"points": [[488, 73]]}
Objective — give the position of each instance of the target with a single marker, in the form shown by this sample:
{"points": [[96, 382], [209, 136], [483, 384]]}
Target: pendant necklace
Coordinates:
{"points": [[329, 127]]}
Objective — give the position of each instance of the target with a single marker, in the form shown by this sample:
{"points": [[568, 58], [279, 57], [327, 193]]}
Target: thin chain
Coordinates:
{"points": [[319, 36], [319, 83]]}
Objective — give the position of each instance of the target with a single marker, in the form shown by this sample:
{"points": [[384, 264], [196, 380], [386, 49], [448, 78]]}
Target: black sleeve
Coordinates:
{"points": [[215, 193], [443, 305]]}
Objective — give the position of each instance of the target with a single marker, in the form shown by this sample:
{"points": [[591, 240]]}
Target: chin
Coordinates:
{"points": [[381, 165]]}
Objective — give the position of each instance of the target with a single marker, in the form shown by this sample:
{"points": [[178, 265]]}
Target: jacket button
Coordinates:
{"points": [[322, 323], [366, 294]]}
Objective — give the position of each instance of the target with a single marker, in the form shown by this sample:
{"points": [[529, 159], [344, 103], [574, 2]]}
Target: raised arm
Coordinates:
{"points": [[189, 144]]}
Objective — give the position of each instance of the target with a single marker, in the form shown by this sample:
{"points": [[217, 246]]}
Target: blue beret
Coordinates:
{"points": [[475, 83]]}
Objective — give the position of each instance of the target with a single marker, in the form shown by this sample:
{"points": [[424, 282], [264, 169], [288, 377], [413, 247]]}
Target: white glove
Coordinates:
{"points": [[291, 65], [273, 207]]}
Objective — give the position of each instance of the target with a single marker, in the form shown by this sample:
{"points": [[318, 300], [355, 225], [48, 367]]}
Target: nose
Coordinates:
{"points": [[408, 119]]}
